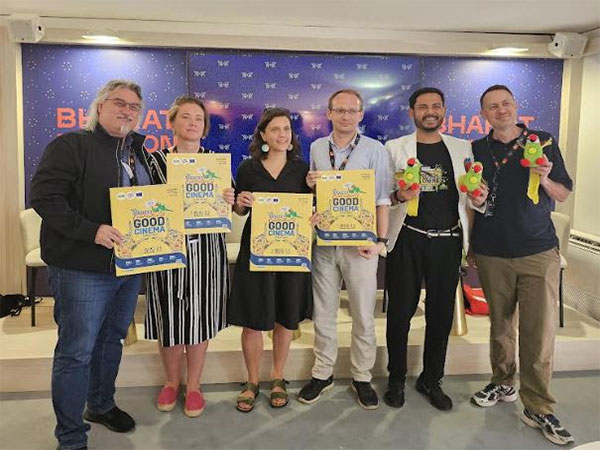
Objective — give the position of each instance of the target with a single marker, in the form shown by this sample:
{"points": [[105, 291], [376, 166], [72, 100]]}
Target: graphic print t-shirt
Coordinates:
{"points": [[438, 200]]}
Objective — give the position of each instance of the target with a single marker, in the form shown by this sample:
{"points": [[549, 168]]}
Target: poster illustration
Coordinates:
{"points": [[281, 234], [203, 177], [151, 221], [346, 203]]}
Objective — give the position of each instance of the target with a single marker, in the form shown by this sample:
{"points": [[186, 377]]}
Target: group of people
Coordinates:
{"points": [[512, 239]]}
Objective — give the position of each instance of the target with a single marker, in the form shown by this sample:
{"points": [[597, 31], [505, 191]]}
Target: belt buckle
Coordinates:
{"points": [[432, 233]]}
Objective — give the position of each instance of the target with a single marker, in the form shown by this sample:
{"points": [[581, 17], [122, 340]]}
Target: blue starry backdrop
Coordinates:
{"points": [[59, 83], [536, 84], [237, 87]]}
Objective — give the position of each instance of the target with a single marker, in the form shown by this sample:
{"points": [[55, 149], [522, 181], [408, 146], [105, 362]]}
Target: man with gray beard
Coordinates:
{"points": [[93, 308]]}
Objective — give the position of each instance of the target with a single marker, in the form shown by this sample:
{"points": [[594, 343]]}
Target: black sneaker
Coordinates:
{"points": [[394, 396], [115, 420], [550, 426], [434, 393], [494, 393], [311, 392], [366, 396]]}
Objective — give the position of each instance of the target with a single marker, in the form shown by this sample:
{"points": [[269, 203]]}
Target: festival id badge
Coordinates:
{"points": [[346, 203], [151, 220], [204, 176], [280, 232]]}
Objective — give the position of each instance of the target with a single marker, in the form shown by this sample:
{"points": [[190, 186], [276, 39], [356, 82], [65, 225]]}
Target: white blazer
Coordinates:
{"points": [[404, 148]]}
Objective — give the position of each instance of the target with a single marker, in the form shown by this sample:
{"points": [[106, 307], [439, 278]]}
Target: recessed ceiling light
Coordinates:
{"points": [[506, 51], [101, 36]]}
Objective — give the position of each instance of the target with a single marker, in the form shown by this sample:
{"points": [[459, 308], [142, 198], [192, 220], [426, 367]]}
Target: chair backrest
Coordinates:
{"points": [[31, 223], [562, 225], [237, 226]]}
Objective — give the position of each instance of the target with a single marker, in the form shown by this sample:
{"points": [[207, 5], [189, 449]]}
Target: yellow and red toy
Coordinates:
{"points": [[411, 176], [533, 156], [470, 181]]}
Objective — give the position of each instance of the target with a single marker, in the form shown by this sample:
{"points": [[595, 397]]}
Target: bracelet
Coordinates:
{"points": [[396, 196], [382, 240]]}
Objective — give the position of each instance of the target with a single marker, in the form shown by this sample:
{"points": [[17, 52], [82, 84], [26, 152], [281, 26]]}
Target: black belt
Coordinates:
{"points": [[452, 232]]}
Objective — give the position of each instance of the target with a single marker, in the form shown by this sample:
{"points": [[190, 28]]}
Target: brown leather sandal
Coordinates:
{"points": [[279, 383], [245, 400]]}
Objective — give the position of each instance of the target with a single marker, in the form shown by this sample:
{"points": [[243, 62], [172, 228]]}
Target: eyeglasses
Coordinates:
{"points": [[120, 103], [343, 112]]}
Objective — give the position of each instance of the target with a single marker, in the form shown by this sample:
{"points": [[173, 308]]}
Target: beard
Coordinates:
{"points": [[126, 127], [419, 123]]}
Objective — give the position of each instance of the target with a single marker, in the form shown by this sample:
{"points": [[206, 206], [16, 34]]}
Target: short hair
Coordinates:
{"points": [[185, 99], [257, 141], [107, 89], [345, 91], [426, 90], [495, 87]]}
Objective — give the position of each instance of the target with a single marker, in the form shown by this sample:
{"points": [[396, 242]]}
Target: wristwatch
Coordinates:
{"points": [[382, 239]]}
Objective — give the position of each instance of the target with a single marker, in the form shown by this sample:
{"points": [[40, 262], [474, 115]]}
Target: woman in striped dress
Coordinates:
{"points": [[186, 307]]}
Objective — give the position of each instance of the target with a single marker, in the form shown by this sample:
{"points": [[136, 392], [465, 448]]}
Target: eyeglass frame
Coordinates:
{"points": [[133, 107], [343, 111]]}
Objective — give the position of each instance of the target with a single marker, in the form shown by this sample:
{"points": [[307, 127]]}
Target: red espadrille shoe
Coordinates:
{"points": [[194, 404], [167, 399]]}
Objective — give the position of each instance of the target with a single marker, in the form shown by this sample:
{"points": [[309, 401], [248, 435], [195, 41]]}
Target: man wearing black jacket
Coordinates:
{"points": [[93, 308]]}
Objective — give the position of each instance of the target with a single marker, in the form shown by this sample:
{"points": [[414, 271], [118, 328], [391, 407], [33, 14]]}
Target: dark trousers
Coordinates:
{"points": [[415, 258]]}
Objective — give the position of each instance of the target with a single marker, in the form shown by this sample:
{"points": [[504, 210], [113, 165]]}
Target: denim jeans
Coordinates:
{"points": [[93, 312]]}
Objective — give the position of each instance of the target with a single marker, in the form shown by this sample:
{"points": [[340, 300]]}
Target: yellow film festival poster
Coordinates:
{"points": [[203, 176], [151, 220], [281, 234], [346, 203]]}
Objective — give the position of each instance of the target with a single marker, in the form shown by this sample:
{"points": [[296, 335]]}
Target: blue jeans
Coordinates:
{"points": [[93, 312]]}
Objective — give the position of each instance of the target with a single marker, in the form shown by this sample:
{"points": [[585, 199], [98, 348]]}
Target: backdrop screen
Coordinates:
{"points": [[59, 83]]}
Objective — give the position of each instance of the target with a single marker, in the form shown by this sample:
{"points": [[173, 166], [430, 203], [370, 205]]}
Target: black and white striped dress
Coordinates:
{"points": [[188, 306]]}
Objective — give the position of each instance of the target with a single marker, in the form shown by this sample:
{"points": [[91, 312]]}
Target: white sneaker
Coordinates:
{"points": [[550, 426], [493, 393]]}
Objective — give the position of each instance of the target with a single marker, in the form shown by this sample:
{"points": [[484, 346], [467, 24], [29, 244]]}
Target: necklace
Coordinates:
{"points": [[174, 149]]}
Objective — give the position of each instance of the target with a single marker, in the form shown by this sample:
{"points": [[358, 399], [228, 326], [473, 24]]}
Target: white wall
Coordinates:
{"points": [[586, 216], [12, 267]]}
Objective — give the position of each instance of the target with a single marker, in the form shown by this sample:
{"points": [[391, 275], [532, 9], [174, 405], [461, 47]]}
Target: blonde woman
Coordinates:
{"points": [[186, 307]]}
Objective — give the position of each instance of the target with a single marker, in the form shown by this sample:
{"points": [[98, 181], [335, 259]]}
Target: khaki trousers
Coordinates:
{"points": [[330, 266], [532, 284]]}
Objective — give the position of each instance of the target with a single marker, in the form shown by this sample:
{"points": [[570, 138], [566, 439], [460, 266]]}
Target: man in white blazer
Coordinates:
{"points": [[426, 246]]}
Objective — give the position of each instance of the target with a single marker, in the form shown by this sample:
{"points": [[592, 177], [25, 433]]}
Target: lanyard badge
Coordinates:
{"points": [[345, 161], [493, 193]]}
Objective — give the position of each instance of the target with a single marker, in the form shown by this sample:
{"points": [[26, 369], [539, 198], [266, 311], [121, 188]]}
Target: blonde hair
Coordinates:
{"points": [[184, 99], [103, 94]]}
